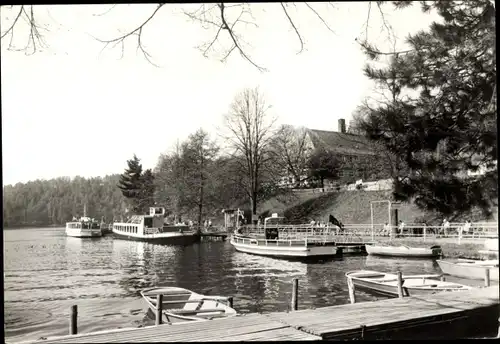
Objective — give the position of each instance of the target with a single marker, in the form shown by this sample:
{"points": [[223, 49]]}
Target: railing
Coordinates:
{"points": [[356, 232]]}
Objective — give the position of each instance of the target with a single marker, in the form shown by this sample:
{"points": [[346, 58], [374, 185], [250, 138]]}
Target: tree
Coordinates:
{"points": [[198, 159], [131, 184], [450, 127], [147, 191], [225, 21], [324, 164], [250, 130], [170, 180], [290, 152]]}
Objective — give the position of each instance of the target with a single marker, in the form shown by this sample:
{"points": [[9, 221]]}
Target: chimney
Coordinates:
{"points": [[341, 125]]}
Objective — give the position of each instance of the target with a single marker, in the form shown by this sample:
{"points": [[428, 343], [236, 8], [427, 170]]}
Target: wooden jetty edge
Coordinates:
{"points": [[446, 315]]}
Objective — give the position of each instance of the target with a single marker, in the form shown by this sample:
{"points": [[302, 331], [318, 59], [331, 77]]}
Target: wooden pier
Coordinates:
{"points": [[213, 235], [446, 315]]}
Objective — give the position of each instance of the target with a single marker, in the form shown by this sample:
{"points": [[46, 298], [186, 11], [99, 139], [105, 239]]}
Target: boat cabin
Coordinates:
{"points": [[271, 226], [147, 224]]}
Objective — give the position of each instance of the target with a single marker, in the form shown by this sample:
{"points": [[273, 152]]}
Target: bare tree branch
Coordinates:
{"points": [[109, 10], [294, 27], [11, 28], [138, 32], [320, 17]]}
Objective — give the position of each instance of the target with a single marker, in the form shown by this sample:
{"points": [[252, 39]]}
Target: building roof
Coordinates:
{"points": [[344, 143]]}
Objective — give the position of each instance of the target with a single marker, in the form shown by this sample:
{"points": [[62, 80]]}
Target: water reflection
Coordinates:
{"points": [[46, 272]]}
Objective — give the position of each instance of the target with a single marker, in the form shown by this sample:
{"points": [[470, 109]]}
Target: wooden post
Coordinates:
{"points": [[159, 310], [295, 294], [73, 325], [400, 284], [487, 277], [352, 290], [230, 301]]}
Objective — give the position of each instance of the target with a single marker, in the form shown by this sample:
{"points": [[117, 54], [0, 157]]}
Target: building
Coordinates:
{"points": [[361, 160]]}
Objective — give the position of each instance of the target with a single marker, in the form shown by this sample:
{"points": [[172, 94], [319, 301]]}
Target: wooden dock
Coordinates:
{"points": [[446, 315], [214, 235]]}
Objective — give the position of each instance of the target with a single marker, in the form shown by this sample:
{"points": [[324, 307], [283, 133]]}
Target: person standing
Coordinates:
{"points": [[387, 229], [446, 227], [467, 227], [401, 227]]}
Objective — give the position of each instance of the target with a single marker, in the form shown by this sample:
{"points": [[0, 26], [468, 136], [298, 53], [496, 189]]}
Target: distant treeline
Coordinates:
{"points": [[55, 201]]}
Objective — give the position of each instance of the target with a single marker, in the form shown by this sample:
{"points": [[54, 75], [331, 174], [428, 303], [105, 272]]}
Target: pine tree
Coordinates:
{"points": [[450, 128], [130, 184]]}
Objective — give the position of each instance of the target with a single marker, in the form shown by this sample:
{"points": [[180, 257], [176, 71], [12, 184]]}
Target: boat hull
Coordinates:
{"points": [[386, 284], [470, 271], [310, 252], [403, 251], [185, 239], [74, 233]]}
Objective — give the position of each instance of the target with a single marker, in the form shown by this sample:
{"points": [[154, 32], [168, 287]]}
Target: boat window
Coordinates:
{"points": [[148, 222]]}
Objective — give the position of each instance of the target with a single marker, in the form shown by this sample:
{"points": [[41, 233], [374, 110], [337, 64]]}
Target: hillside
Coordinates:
{"points": [[353, 207]]}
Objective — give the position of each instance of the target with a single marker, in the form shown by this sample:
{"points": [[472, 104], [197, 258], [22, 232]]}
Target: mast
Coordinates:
{"points": [[85, 210]]}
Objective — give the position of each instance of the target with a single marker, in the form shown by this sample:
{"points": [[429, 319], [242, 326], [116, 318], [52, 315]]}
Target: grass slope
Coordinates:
{"points": [[353, 207]]}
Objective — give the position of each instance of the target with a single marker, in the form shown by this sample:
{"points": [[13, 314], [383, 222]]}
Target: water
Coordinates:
{"points": [[47, 272]]}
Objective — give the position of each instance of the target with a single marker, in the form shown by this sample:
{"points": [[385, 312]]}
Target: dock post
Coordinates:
{"points": [[400, 284], [159, 310], [230, 301], [352, 290], [295, 294], [73, 325], [487, 277]]}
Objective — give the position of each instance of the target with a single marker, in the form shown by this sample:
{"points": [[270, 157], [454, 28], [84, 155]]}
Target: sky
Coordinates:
{"points": [[75, 108]]}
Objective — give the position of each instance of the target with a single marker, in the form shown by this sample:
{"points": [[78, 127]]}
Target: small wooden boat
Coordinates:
{"points": [[386, 283], [468, 268], [404, 251], [179, 305]]}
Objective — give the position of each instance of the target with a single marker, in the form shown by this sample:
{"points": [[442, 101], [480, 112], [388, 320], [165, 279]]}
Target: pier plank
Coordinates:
{"points": [[331, 322]]}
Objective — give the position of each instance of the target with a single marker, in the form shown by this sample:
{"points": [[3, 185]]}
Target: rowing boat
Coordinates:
{"points": [[468, 268], [387, 283], [181, 305], [404, 251]]}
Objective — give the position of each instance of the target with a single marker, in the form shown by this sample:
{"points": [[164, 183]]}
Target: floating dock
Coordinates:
{"points": [[445, 315]]}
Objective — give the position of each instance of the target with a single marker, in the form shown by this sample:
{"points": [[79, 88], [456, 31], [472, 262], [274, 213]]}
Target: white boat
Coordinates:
{"points": [[179, 305], [387, 284], [404, 251], [301, 247], [84, 227], [151, 228], [468, 268]]}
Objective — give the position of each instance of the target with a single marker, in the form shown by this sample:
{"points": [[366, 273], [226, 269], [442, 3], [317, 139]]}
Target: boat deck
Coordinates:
{"points": [[445, 315]]}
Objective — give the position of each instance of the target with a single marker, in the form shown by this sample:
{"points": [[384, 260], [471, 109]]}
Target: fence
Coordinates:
{"points": [[355, 232]]}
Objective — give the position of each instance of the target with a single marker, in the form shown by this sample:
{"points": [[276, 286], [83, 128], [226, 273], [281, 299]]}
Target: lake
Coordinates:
{"points": [[46, 272]]}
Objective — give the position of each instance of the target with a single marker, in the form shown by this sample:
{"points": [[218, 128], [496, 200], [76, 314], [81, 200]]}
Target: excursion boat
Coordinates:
{"points": [[181, 305], [387, 284], [84, 227], [151, 228], [468, 268], [299, 247], [404, 251]]}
